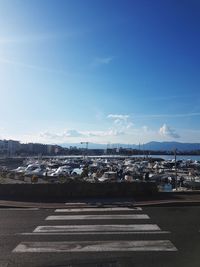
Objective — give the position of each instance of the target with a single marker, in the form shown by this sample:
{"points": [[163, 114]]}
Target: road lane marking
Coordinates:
{"points": [[106, 204], [98, 228], [98, 217], [98, 209], [98, 233], [96, 246]]}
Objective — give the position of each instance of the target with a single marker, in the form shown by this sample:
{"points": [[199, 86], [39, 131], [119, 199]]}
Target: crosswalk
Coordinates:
{"points": [[97, 217], [123, 223]]}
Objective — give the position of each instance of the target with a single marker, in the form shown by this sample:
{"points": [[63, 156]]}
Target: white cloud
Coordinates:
{"points": [[72, 133], [120, 126], [48, 135], [98, 61], [129, 125], [167, 131], [174, 115], [118, 117], [112, 132], [145, 128], [121, 122], [77, 136], [105, 60], [113, 135], [109, 132], [68, 133]]}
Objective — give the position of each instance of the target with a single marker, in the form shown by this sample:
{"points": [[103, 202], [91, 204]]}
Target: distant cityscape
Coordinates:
{"points": [[10, 148]]}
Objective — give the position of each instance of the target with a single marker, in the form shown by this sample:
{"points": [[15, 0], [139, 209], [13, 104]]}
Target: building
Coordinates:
{"points": [[9, 147]]}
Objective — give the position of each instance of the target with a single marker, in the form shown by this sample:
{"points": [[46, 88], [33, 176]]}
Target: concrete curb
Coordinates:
{"points": [[168, 203], [153, 203], [22, 204]]}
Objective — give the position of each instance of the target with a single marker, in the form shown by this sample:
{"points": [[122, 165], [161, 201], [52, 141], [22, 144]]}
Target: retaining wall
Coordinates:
{"points": [[75, 189]]}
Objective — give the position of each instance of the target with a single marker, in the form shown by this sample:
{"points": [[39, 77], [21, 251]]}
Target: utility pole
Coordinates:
{"points": [[176, 182], [143, 150], [86, 148]]}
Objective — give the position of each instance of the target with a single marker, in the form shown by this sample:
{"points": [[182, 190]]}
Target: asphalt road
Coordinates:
{"points": [[159, 236]]}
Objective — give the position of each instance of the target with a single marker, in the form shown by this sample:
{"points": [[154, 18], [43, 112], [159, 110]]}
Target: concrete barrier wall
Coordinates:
{"points": [[75, 189]]}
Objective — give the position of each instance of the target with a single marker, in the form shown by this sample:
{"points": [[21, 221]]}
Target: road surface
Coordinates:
{"points": [[100, 237]]}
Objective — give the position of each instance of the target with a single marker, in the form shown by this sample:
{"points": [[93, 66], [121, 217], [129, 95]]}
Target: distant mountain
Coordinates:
{"points": [[99, 146], [168, 146], [156, 146]]}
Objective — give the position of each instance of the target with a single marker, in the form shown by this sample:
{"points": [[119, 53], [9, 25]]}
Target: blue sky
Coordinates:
{"points": [[102, 71]]}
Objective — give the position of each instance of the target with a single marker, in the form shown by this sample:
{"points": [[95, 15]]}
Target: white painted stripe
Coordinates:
{"points": [[99, 228], [75, 203], [99, 209], [100, 203], [100, 233], [98, 217], [96, 246]]}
